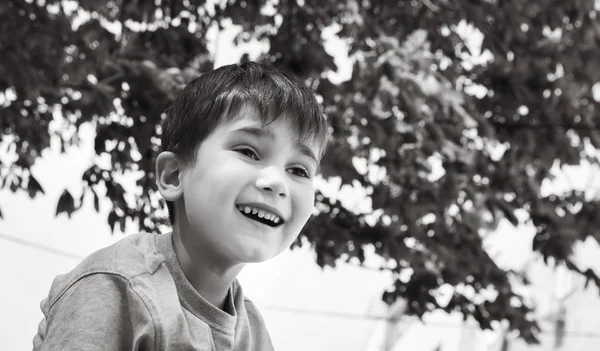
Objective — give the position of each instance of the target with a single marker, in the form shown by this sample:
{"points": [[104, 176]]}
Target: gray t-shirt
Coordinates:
{"points": [[133, 295]]}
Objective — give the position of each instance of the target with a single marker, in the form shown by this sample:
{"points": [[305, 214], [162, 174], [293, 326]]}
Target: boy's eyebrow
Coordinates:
{"points": [[265, 133], [305, 150]]}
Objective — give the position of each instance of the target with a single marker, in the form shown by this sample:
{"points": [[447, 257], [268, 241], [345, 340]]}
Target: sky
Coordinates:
{"points": [[305, 307]]}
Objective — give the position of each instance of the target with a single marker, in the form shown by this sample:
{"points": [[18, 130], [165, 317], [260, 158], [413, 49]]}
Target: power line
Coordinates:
{"points": [[294, 310], [529, 125], [41, 247], [335, 314], [79, 257], [331, 314]]}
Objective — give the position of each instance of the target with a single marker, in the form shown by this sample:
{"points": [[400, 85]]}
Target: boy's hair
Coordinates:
{"points": [[218, 96]]}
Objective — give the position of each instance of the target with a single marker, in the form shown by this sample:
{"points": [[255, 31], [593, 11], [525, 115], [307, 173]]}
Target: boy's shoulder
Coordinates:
{"points": [[131, 256], [134, 255]]}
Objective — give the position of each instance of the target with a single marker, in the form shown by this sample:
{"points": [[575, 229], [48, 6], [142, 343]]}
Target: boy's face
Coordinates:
{"points": [[244, 167]]}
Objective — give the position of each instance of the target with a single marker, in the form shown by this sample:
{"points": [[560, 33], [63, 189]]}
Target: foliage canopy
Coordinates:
{"points": [[417, 95]]}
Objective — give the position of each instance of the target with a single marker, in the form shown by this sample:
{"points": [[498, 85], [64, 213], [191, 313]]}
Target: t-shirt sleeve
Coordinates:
{"points": [[98, 312]]}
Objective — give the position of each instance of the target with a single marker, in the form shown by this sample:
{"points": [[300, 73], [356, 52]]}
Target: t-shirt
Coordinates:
{"points": [[133, 295]]}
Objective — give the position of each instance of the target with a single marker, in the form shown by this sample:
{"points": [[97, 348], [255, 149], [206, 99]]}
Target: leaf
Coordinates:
{"points": [[66, 203], [110, 191], [590, 275], [33, 187], [14, 185], [472, 220], [508, 211], [388, 297], [122, 222], [112, 220], [81, 198], [96, 201]]}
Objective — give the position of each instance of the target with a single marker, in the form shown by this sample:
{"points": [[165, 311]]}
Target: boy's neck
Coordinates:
{"points": [[210, 280]]}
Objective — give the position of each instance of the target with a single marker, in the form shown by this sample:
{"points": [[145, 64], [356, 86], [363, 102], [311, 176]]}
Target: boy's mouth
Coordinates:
{"points": [[262, 216]]}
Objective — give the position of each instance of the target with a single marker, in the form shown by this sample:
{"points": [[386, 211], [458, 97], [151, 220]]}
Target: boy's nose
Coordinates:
{"points": [[271, 179]]}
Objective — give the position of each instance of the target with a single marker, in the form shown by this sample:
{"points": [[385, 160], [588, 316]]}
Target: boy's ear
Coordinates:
{"points": [[168, 172]]}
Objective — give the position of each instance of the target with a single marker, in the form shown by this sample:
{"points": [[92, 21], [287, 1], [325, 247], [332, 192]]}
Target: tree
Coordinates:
{"points": [[497, 126]]}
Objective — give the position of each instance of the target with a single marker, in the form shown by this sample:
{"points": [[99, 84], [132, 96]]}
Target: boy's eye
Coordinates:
{"points": [[300, 172], [247, 152]]}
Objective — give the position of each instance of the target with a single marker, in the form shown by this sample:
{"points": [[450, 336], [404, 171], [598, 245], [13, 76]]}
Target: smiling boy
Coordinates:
{"points": [[241, 147]]}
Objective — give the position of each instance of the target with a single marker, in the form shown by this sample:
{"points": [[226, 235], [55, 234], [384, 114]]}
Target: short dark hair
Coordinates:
{"points": [[218, 96]]}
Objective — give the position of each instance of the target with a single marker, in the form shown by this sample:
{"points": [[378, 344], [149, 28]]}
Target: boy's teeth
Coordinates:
{"points": [[261, 214]]}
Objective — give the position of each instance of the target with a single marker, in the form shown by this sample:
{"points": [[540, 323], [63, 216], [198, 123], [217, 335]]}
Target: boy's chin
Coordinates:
{"points": [[257, 255]]}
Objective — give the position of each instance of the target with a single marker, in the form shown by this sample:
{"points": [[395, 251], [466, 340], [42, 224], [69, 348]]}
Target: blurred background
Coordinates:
{"points": [[458, 205]]}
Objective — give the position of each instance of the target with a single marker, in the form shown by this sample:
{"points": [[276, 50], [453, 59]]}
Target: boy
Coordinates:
{"points": [[240, 148]]}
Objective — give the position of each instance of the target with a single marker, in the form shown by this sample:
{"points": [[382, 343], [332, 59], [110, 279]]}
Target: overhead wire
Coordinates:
{"points": [[41, 247], [529, 125], [287, 309]]}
